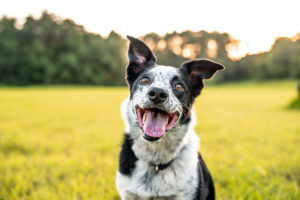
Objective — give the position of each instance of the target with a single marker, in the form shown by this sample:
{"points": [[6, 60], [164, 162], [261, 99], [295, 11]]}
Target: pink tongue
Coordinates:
{"points": [[155, 124]]}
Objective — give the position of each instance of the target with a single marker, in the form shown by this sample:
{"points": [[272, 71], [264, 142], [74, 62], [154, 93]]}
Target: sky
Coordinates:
{"points": [[256, 23]]}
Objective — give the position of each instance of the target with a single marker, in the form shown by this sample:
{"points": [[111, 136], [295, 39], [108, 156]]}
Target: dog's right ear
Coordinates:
{"points": [[140, 58]]}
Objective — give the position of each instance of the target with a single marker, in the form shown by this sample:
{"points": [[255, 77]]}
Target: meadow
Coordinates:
{"points": [[63, 142]]}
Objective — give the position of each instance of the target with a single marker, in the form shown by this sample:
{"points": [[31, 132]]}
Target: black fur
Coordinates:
{"points": [[185, 97], [195, 71], [208, 184], [127, 157], [140, 58]]}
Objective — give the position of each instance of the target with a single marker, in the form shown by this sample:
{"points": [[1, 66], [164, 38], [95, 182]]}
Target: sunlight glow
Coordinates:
{"points": [[236, 51], [189, 51], [161, 45], [175, 44], [212, 48], [255, 26]]}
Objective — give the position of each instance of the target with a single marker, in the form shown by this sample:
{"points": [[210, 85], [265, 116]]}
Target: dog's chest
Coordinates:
{"points": [[174, 182]]}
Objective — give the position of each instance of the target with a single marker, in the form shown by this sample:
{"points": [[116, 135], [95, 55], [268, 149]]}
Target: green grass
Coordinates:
{"points": [[295, 103], [63, 142]]}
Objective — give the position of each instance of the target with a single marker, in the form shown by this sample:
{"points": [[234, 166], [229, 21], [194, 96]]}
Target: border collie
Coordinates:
{"points": [[159, 158]]}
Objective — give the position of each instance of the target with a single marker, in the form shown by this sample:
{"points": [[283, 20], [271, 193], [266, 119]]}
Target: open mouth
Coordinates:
{"points": [[155, 122]]}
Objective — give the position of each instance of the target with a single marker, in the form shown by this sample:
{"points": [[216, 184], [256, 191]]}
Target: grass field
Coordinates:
{"points": [[63, 142]]}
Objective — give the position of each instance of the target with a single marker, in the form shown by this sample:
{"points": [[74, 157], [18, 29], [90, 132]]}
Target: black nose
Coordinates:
{"points": [[157, 95]]}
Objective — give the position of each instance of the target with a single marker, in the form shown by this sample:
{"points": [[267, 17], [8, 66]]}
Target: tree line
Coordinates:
{"points": [[51, 50]]}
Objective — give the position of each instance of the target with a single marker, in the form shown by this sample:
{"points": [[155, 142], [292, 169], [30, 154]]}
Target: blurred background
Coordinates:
{"points": [[54, 42], [62, 69]]}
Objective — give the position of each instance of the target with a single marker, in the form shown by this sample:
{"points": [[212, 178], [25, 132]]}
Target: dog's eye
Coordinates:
{"points": [[179, 87], [145, 80]]}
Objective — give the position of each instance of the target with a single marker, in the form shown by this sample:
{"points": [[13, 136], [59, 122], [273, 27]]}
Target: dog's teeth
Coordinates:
{"points": [[144, 117]]}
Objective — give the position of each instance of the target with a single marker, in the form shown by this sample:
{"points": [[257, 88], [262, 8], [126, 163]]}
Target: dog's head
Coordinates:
{"points": [[161, 97]]}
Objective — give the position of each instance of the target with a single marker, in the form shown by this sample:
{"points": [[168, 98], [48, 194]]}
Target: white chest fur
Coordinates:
{"points": [[177, 181]]}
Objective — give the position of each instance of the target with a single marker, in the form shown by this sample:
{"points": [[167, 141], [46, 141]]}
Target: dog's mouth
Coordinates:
{"points": [[155, 122]]}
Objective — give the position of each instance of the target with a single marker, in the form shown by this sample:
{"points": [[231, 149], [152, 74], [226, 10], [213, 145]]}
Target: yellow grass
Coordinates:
{"points": [[63, 142]]}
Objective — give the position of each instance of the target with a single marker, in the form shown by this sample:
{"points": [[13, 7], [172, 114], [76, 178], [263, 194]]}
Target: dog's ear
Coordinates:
{"points": [[195, 71], [140, 58]]}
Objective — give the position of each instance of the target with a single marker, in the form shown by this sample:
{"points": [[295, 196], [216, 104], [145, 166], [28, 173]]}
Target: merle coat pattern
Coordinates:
{"points": [[169, 166]]}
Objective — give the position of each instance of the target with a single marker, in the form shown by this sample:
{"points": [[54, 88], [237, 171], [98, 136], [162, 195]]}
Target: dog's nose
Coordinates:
{"points": [[157, 95]]}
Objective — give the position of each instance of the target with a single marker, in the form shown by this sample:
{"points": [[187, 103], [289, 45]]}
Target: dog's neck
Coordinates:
{"points": [[164, 150]]}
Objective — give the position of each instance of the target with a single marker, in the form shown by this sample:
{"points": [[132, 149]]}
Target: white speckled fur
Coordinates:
{"points": [[180, 179], [161, 76]]}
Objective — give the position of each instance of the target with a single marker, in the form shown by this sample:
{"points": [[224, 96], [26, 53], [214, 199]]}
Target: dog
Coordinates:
{"points": [[159, 158]]}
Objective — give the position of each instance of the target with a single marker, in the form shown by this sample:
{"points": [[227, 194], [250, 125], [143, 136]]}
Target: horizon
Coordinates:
{"points": [[256, 31]]}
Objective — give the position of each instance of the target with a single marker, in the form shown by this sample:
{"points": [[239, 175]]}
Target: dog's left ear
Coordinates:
{"points": [[197, 70], [140, 58]]}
